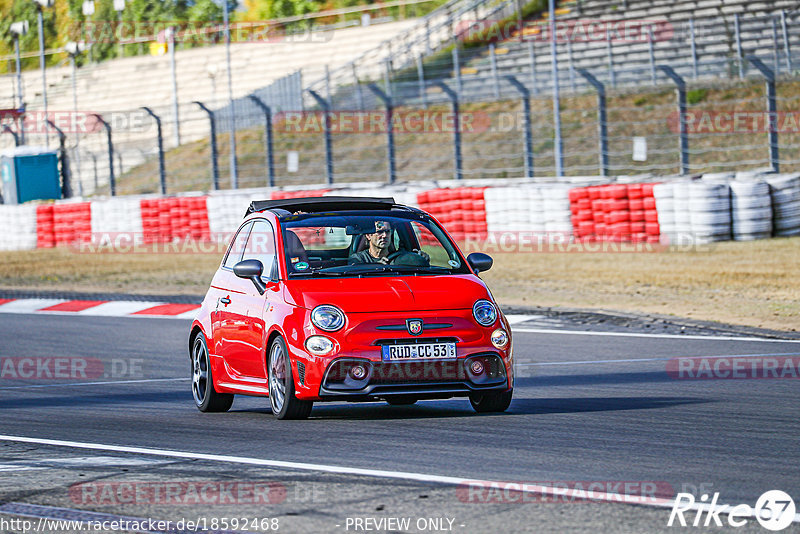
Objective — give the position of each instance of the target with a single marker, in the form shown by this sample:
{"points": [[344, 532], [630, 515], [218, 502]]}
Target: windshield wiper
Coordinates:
{"points": [[317, 271]]}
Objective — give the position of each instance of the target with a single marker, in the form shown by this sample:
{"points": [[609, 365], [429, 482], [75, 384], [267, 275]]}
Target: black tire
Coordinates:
{"points": [[205, 396], [491, 402], [401, 401], [281, 384]]}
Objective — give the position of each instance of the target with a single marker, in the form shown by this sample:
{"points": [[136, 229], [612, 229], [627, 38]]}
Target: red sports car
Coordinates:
{"points": [[348, 299]]}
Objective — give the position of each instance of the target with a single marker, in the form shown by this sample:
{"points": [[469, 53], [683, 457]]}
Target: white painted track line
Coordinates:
{"points": [[398, 475], [664, 359], [646, 335]]}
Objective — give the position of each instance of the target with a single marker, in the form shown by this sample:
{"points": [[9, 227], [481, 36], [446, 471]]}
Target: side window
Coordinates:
{"points": [[237, 246], [261, 246]]}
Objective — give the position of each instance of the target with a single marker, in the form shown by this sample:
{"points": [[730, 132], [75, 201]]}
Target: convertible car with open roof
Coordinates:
{"points": [[348, 299]]}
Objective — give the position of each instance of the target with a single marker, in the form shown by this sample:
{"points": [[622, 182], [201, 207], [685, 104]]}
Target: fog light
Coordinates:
{"points": [[319, 345], [476, 367], [358, 372], [500, 338]]}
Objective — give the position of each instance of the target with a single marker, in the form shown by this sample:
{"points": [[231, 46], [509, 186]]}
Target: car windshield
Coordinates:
{"points": [[367, 243]]}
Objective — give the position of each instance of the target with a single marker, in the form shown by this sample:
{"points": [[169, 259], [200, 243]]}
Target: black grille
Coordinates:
{"points": [[418, 372], [301, 373]]}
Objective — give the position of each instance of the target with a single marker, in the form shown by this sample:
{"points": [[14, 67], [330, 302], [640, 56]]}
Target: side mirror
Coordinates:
{"points": [[252, 269], [480, 262]]}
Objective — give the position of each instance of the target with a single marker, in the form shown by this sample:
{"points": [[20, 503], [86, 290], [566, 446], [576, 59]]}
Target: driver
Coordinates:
{"points": [[378, 250]]}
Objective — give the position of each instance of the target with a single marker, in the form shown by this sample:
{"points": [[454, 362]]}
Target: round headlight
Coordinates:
{"points": [[319, 345], [328, 318], [484, 312], [500, 338]]}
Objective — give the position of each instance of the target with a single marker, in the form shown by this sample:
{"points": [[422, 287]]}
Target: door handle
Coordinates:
{"points": [[225, 300]]}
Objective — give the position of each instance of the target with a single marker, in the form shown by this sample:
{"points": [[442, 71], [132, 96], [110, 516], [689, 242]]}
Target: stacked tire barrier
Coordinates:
{"points": [[45, 235], [22, 220], [751, 210], [166, 219], [785, 195], [462, 211], [72, 222], [541, 210], [742, 206], [615, 212], [120, 216]]}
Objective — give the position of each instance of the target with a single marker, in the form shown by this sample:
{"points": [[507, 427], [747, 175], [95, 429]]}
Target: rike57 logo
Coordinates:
{"points": [[775, 510]]}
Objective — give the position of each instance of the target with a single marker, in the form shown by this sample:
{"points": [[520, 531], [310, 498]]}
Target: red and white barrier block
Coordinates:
{"points": [[100, 308]]}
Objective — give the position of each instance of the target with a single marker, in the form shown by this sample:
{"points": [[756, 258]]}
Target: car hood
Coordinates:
{"points": [[388, 294]]}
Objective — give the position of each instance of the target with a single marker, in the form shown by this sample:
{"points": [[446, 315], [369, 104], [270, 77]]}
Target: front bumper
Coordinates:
{"points": [[423, 379]]}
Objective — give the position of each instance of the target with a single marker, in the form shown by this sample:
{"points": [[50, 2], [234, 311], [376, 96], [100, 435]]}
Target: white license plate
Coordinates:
{"points": [[422, 351]]}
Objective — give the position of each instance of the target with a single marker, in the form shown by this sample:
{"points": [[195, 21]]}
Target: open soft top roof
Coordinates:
{"points": [[322, 204]]}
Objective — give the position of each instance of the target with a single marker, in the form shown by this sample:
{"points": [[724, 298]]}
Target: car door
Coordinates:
{"points": [[244, 351], [227, 288]]}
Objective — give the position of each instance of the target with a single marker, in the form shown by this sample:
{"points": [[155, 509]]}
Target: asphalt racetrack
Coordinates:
{"points": [[599, 408]]}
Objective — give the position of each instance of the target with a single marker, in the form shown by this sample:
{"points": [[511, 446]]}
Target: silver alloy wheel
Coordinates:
{"points": [[199, 371], [277, 378]]}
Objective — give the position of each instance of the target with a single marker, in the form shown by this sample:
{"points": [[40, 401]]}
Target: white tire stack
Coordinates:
{"points": [[785, 193], [19, 227], [683, 219], [709, 211], [665, 206], [225, 213], [116, 218], [751, 210], [557, 214]]}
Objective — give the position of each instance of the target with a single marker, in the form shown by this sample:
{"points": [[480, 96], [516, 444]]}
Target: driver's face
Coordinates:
{"points": [[380, 238]]}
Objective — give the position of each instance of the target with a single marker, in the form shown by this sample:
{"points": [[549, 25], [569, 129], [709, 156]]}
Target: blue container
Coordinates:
{"points": [[29, 173]]}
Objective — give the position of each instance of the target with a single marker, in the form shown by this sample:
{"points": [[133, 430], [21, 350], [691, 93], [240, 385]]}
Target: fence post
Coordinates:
{"points": [[457, 67], [786, 46], [775, 59], [571, 65], [327, 125], [532, 59], [267, 137], [558, 146], [6, 129], [66, 187], [421, 82], [739, 53], [610, 53], [602, 124], [458, 173], [111, 181], [493, 63], [772, 111], [328, 84], [526, 106], [693, 48], [94, 167], [684, 135], [387, 75], [387, 101], [170, 34], [359, 95], [162, 173], [214, 164], [651, 47]]}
